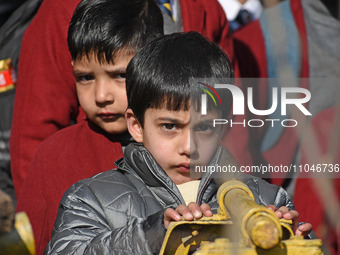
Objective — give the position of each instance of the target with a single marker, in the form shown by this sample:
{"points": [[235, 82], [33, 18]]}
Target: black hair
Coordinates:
{"points": [[160, 73], [104, 27]]}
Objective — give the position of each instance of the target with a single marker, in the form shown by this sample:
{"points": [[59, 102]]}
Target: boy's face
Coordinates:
{"points": [[101, 91], [176, 140]]}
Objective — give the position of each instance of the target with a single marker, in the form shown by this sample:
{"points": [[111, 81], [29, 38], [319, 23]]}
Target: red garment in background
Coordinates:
{"points": [[48, 102], [249, 50], [244, 144], [208, 18], [312, 205]]}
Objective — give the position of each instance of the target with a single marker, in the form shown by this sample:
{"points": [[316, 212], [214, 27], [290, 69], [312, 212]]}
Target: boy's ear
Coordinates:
{"points": [[134, 127]]}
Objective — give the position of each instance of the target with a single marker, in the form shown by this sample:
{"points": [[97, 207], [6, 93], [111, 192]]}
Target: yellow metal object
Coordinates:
{"points": [[295, 245], [7, 75], [184, 237], [240, 227], [24, 228], [259, 226], [5, 64], [20, 240]]}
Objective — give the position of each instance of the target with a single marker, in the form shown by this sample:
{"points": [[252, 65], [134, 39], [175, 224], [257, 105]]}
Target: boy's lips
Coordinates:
{"points": [[183, 167], [109, 115]]}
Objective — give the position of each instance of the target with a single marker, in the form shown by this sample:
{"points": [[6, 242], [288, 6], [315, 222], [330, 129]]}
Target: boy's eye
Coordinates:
{"points": [[203, 128], [121, 75], [83, 78], [115, 75], [169, 126]]}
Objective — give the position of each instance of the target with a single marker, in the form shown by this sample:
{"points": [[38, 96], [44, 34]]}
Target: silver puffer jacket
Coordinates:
{"points": [[121, 211]]}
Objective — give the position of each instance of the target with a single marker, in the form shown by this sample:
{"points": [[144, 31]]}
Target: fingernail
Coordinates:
{"points": [[197, 214], [287, 214], [188, 216]]}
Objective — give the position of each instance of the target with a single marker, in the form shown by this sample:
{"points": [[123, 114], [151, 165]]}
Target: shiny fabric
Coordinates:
{"points": [[108, 213]]}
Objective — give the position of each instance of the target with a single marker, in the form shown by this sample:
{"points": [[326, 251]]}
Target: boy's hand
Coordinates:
{"points": [[189, 212], [284, 212]]}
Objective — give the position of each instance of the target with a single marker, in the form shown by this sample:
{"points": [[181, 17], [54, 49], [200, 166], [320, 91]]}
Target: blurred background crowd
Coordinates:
{"points": [[265, 39]]}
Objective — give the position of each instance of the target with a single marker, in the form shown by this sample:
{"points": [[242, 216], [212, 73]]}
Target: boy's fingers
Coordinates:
{"points": [[291, 215], [304, 229], [170, 215], [189, 212], [195, 210], [272, 207], [185, 212], [281, 211], [206, 210]]}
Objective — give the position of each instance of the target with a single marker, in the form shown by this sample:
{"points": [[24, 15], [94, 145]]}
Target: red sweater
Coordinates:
{"points": [[46, 102], [74, 153]]}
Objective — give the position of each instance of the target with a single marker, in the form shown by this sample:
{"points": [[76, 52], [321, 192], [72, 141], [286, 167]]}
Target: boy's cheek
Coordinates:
{"points": [[206, 149]]}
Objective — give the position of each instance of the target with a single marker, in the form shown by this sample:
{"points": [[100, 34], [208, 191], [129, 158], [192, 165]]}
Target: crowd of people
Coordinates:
{"points": [[104, 85]]}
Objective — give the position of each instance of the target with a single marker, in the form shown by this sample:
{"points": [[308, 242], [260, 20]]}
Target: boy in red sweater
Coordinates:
{"points": [[44, 54], [103, 36]]}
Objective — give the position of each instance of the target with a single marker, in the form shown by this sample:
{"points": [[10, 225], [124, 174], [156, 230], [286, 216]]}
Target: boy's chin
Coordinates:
{"points": [[114, 128], [117, 132], [183, 178]]}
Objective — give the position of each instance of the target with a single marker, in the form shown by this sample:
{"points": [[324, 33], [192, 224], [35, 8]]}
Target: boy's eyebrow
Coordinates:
{"points": [[113, 69], [78, 72], [206, 121], [171, 120], [207, 118], [117, 70]]}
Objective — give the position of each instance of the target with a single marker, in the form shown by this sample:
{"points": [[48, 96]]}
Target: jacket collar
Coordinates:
{"points": [[139, 159], [139, 162]]}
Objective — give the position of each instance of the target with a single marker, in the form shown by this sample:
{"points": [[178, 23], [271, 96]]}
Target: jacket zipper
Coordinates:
{"points": [[164, 184], [202, 190]]}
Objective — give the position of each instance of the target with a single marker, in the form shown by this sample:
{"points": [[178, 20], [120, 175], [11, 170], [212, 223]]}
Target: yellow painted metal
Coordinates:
{"points": [[294, 246], [240, 227], [24, 228], [20, 240], [258, 224], [184, 237]]}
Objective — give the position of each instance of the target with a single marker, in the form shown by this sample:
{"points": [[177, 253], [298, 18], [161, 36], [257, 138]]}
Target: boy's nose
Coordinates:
{"points": [[103, 94], [185, 144], [193, 146]]}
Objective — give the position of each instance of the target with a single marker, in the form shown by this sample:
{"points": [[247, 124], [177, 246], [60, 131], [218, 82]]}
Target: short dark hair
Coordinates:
{"points": [[104, 27], [160, 73]]}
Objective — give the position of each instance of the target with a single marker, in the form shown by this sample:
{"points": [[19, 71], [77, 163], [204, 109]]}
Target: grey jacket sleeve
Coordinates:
{"points": [[268, 194], [283, 199], [86, 226]]}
